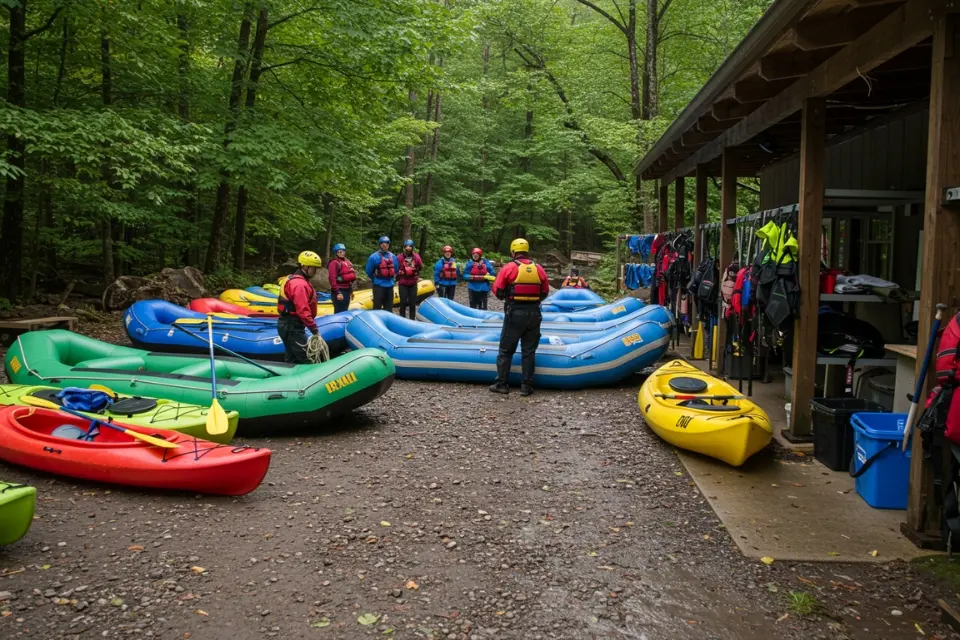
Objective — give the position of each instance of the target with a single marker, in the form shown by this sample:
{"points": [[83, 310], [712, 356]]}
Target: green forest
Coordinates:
{"points": [[230, 135]]}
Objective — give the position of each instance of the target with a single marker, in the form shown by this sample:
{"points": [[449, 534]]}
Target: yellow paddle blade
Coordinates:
{"points": [[157, 442], [698, 343], [490, 277], [106, 390], [217, 422]]}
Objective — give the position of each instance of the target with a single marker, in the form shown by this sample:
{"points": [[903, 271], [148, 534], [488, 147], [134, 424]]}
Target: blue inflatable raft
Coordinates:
{"points": [[158, 325], [571, 300], [423, 351], [452, 314]]}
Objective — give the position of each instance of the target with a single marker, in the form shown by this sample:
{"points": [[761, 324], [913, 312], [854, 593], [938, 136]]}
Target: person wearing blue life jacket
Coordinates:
{"points": [[475, 272], [382, 267], [446, 273]]}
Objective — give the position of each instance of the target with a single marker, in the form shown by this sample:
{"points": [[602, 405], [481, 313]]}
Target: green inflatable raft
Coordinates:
{"points": [[16, 511], [289, 397], [159, 413]]}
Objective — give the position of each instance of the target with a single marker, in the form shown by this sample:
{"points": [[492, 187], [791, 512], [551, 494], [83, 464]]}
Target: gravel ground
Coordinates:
{"points": [[438, 511]]}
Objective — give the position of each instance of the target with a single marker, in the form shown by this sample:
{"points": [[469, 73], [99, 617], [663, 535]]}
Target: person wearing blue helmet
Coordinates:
{"points": [[382, 267], [407, 278], [342, 275]]}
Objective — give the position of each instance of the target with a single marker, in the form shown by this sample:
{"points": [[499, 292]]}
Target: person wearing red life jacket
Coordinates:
{"points": [[297, 307], [408, 276], [522, 285], [382, 267], [446, 272], [342, 276], [478, 273], [574, 281]]}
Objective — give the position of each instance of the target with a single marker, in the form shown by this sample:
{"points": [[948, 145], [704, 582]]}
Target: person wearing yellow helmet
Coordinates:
{"points": [[522, 285], [297, 306]]}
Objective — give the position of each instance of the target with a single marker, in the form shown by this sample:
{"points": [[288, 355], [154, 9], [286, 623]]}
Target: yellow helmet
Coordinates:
{"points": [[519, 246], [309, 259]]}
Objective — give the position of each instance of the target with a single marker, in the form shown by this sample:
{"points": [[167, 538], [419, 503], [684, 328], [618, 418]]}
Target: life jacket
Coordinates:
{"points": [[739, 299], [526, 286], [345, 271], [947, 353], [386, 268], [728, 285], [408, 265], [285, 305], [478, 270], [578, 283], [448, 271]]}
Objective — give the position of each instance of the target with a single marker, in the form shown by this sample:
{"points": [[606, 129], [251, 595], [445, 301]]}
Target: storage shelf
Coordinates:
{"points": [[851, 297], [863, 362]]}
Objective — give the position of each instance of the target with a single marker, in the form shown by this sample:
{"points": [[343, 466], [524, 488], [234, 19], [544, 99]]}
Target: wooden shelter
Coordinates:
{"points": [[827, 101]]}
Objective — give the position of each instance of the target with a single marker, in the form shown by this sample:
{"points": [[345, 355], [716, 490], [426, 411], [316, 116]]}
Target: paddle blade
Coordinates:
{"points": [[217, 422], [38, 402], [106, 390], [157, 442]]}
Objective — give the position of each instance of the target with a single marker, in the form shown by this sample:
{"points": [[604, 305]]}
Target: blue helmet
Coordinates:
{"points": [[383, 239], [339, 247], [408, 243]]}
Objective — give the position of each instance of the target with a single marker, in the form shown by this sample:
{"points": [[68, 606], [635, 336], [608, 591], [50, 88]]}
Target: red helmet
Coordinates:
{"points": [[477, 250], [447, 248]]}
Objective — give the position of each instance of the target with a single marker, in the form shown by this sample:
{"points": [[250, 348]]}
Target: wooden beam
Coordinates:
{"points": [[793, 64], [709, 124], [699, 211], [696, 139], [831, 31], [756, 89], [940, 271], [678, 203], [728, 209], [664, 196], [809, 228], [905, 27], [731, 110]]}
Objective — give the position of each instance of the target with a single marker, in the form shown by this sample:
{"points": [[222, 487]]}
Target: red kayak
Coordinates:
{"points": [[212, 305], [59, 443]]}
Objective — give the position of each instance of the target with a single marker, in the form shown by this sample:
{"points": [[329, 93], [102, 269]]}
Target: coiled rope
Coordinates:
{"points": [[317, 349]]}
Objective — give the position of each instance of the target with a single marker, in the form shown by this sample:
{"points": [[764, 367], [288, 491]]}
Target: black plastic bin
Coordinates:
{"points": [[832, 433]]}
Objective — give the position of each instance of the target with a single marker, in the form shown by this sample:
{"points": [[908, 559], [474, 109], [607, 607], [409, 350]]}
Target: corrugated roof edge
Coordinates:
{"points": [[781, 16]]}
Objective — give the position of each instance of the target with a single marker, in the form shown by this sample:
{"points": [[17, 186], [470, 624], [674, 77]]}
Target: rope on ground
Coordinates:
{"points": [[317, 349]]}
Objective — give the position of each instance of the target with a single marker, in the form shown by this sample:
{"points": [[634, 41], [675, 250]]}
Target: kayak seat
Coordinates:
{"points": [[50, 395], [69, 432], [133, 406], [682, 384], [703, 405]]}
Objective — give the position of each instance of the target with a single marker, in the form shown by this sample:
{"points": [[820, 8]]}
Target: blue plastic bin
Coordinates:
{"points": [[881, 470]]}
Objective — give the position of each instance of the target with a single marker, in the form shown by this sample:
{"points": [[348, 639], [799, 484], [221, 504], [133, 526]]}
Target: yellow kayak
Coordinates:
{"points": [[703, 419], [360, 300]]}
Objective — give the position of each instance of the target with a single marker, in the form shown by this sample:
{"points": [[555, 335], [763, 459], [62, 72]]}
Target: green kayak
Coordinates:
{"points": [[16, 511], [189, 419], [288, 397]]}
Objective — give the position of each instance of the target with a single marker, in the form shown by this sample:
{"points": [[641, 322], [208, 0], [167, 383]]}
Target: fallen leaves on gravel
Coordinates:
{"points": [[412, 585], [322, 623], [135, 547], [766, 560], [367, 619], [197, 569]]}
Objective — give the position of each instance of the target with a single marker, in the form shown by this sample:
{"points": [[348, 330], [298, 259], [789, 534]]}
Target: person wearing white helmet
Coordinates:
{"points": [[382, 267], [297, 306]]}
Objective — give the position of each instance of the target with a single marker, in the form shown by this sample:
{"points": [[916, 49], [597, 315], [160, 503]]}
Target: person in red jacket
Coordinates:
{"points": [[297, 306], [522, 284], [342, 274]]}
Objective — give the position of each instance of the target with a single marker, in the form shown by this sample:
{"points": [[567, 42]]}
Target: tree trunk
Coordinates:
{"points": [[328, 211], [405, 230], [434, 146], [62, 66], [11, 227], [256, 65], [108, 258], [636, 109], [481, 208], [649, 109], [190, 212], [222, 205]]}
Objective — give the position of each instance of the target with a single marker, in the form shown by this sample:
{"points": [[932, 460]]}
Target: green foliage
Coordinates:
{"points": [[802, 603], [126, 152]]}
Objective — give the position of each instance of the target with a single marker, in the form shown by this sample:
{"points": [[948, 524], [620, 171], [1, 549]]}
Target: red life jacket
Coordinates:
{"points": [[478, 270], [449, 269], [736, 298], [408, 265], [947, 354], [345, 272], [386, 269]]}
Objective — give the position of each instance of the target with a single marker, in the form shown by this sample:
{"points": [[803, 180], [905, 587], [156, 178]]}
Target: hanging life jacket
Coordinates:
{"points": [[526, 286], [478, 270], [727, 287], [386, 268], [345, 272], [947, 353], [449, 270]]}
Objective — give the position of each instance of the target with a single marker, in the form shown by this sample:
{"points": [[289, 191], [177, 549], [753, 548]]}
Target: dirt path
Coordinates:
{"points": [[443, 511]]}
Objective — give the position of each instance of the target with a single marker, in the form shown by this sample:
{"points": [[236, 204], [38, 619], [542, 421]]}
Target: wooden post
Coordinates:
{"points": [[678, 204], [664, 196], [728, 209], [699, 215], [812, 142], [940, 274]]}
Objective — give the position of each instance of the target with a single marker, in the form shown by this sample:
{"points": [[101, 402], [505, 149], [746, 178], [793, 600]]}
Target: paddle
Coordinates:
{"points": [[106, 390], [915, 398], [46, 404], [217, 417], [670, 396], [225, 350]]}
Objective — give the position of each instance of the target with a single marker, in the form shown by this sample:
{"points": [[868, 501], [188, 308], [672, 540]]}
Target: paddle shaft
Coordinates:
{"points": [[915, 400], [213, 362], [158, 442], [224, 349]]}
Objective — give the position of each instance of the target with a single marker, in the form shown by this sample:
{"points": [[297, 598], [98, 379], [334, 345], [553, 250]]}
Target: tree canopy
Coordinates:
{"points": [[145, 133]]}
